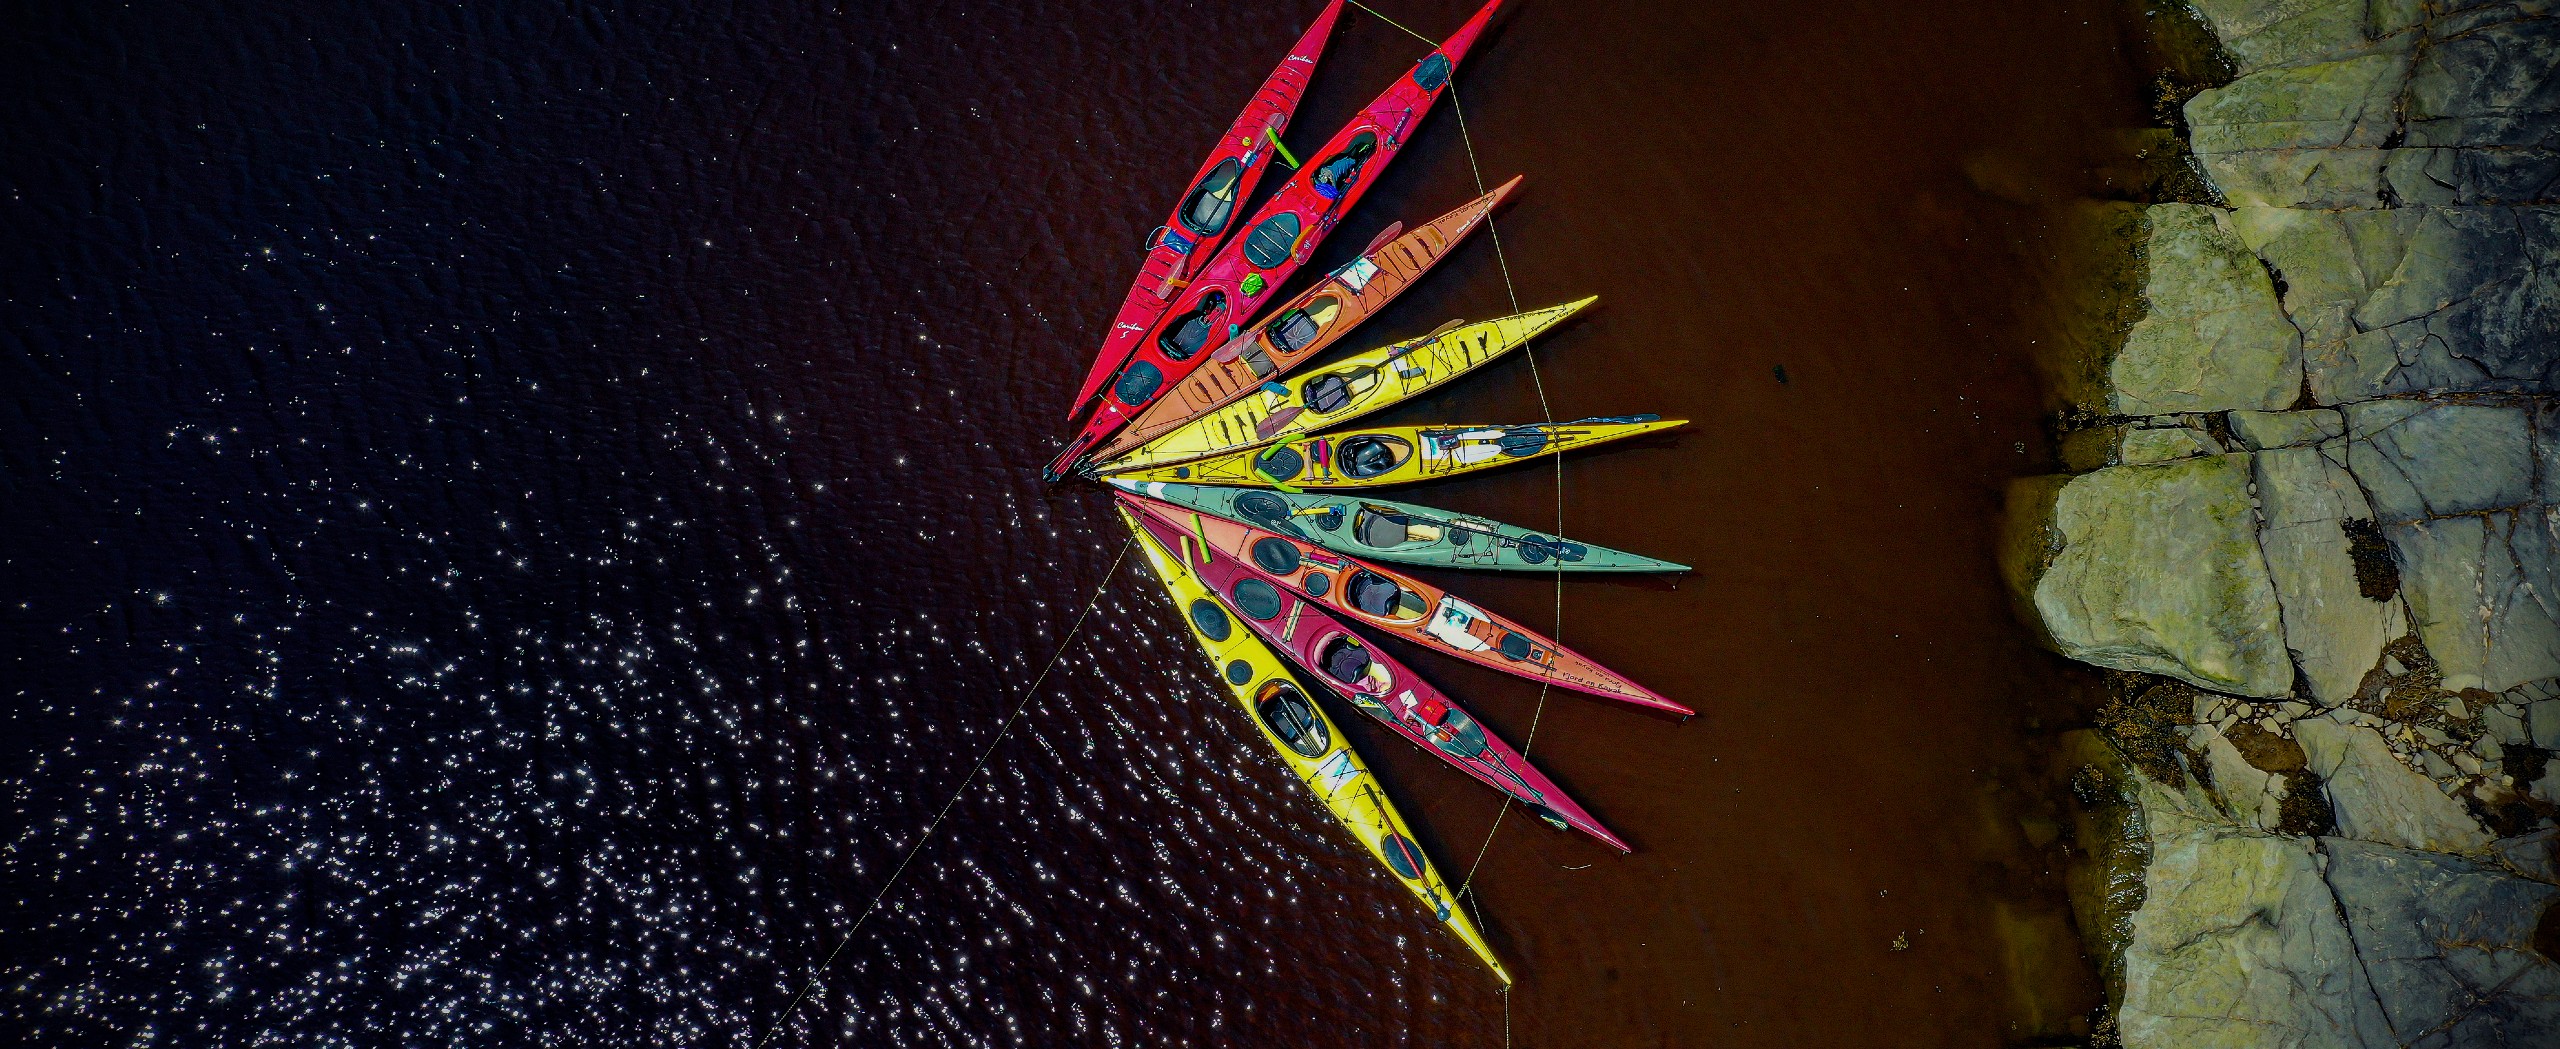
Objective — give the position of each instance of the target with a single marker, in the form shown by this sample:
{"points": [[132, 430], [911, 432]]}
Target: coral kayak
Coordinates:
{"points": [[1409, 608], [1372, 680], [1344, 390], [1206, 212], [1304, 326], [1405, 533], [1274, 243], [1311, 745], [1400, 454]]}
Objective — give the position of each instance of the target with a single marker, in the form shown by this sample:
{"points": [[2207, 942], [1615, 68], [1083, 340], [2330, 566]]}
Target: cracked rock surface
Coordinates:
{"points": [[2317, 523]]}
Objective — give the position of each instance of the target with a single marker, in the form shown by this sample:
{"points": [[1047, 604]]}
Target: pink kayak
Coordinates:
{"points": [[1279, 239], [1205, 215], [1370, 678]]}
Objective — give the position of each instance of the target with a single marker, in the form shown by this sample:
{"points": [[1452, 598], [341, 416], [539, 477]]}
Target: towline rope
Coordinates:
{"points": [[983, 755], [1539, 382]]}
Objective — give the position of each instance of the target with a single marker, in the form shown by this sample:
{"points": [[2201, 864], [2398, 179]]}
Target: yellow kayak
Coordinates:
{"points": [[1345, 390], [1397, 454], [1313, 747]]}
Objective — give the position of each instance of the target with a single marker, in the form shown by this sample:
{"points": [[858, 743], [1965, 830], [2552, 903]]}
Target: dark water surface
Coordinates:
{"points": [[519, 513]]}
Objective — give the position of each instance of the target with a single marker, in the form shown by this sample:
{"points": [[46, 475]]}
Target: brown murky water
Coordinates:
{"points": [[679, 401]]}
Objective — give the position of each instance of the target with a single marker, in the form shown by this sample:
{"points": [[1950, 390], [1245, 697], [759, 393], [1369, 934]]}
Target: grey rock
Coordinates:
{"points": [[2262, 33], [2546, 450], [2444, 177], [2421, 460], [2487, 81], [2447, 945], [2505, 726], [2239, 942], [2379, 799], [2535, 855], [2164, 444], [2311, 134], [2542, 719], [2153, 568], [2336, 634], [2284, 429], [2417, 299], [2212, 336], [2484, 593], [2242, 793]]}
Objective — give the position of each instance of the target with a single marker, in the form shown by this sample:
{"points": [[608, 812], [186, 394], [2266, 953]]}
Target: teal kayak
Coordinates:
{"points": [[1404, 533]]}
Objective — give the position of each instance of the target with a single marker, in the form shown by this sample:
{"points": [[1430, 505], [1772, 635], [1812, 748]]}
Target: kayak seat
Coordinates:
{"points": [[1189, 332], [1372, 455], [1286, 712], [1213, 201], [1298, 328], [1381, 531], [1344, 660], [1373, 593], [1339, 172], [1326, 394], [1280, 463]]}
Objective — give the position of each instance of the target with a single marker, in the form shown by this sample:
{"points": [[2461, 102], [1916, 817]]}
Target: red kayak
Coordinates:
{"points": [[1371, 679], [1279, 239], [1205, 215], [1399, 604]]}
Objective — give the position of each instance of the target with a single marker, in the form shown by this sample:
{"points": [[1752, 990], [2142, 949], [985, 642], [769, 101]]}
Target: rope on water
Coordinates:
{"points": [[983, 755], [1538, 381]]}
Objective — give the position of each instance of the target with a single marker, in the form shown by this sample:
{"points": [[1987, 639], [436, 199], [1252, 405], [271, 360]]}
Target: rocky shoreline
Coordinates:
{"points": [[2312, 530]]}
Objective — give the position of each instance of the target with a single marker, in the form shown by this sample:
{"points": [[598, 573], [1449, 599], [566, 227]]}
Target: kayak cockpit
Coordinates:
{"points": [[1211, 203], [1349, 664], [1189, 332], [1371, 455], [1271, 242], [1387, 531], [1334, 391], [1335, 175], [1379, 597], [1298, 328], [1285, 711]]}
